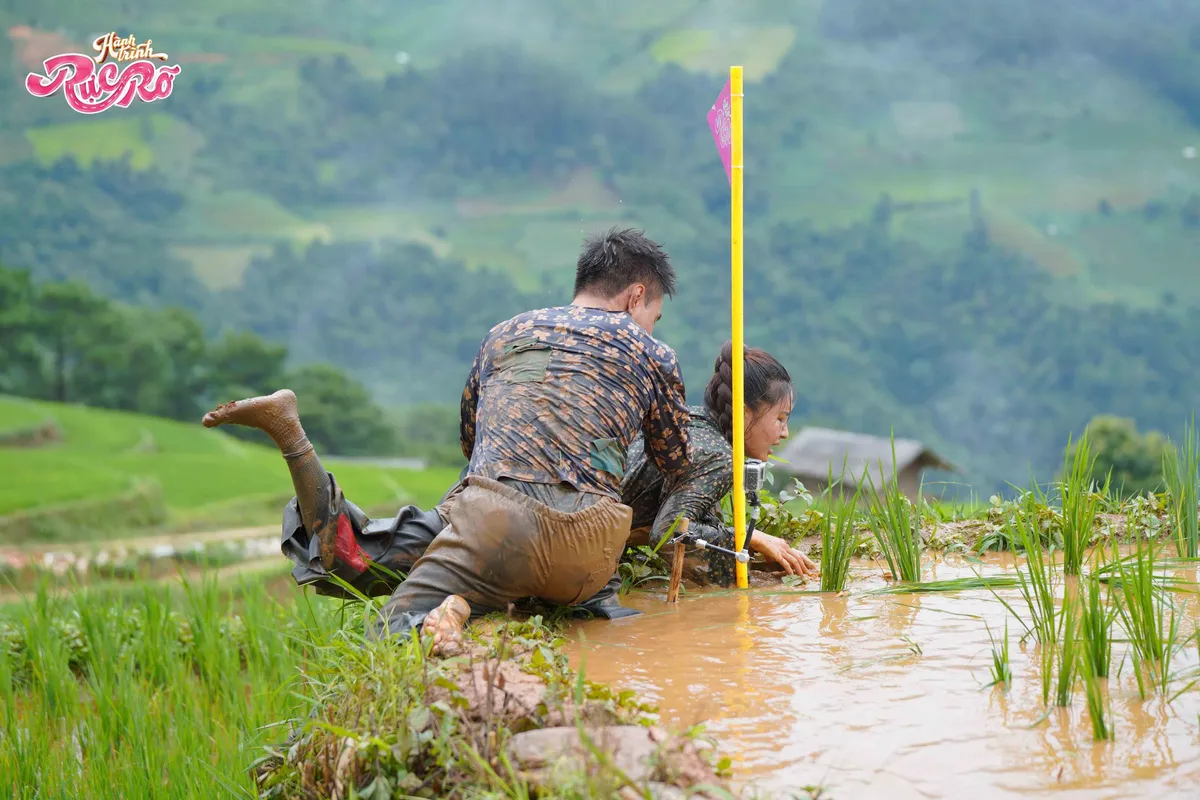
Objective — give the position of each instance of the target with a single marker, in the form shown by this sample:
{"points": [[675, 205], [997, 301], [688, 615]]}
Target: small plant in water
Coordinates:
{"points": [[1036, 579], [1079, 503], [1001, 668], [839, 539], [896, 523], [1095, 624], [1147, 613], [1181, 470], [1095, 652], [1067, 650]]}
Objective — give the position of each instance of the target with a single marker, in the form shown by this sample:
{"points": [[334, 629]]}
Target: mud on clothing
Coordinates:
{"points": [[658, 499], [553, 401], [557, 395]]}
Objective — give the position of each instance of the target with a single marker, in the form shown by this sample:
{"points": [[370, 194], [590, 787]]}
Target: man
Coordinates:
{"points": [[552, 402]]}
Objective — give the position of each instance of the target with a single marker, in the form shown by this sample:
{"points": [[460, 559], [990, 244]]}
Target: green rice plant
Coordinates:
{"points": [[169, 694], [950, 585], [1079, 503], [1001, 668], [1181, 471], [896, 524], [1037, 580], [1094, 692], [149, 694], [1148, 615], [1095, 624], [1066, 650], [1047, 654], [1095, 652], [839, 538]]}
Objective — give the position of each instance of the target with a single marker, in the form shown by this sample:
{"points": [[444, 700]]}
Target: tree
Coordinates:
{"points": [[338, 414], [70, 319], [1133, 459], [19, 360], [242, 365], [429, 432]]}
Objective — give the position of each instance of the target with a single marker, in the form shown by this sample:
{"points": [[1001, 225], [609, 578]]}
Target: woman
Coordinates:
{"points": [[658, 502]]}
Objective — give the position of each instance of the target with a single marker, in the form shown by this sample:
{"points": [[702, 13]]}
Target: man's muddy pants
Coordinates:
{"points": [[374, 556]]}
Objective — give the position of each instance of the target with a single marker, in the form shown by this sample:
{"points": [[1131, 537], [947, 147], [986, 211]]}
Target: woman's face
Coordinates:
{"points": [[767, 428]]}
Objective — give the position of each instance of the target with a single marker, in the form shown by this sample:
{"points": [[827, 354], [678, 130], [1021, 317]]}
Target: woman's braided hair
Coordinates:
{"points": [[765, 383]]}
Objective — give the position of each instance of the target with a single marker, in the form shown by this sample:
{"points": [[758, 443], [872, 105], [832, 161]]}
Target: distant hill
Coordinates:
{"points": [[949, 204]]}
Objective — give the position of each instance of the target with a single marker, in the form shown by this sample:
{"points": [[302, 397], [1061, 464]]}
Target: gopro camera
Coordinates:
{"points": [[756, 473]]}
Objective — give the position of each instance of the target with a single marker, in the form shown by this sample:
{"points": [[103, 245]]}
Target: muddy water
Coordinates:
{"points": [[882, 696]]}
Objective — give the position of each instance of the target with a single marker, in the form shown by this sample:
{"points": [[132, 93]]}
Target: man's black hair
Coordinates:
{"points": [[613, 261]]}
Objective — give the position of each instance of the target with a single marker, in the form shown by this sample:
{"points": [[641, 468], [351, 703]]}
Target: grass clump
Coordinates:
{"points": [[1148, 615], [1096, 619], [896, 524], [156, 694], [1079, 503], [1001, 667], [386, 718], [1037, 581], [1067, 650], [166, 693], [1181, 471], [839, 538], [1095, 652]]}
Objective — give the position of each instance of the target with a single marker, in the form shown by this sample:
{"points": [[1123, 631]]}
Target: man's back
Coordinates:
{"points": [[557, 395]]}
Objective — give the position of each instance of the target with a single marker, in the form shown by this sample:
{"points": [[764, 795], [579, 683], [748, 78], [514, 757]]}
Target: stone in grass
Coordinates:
{"points": [[648, 757]]}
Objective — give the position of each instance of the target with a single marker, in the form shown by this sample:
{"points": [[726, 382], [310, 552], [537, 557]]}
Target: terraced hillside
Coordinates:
{"points": [[90, 472]]}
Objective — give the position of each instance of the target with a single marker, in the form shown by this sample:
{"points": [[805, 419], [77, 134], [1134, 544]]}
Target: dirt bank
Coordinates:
{"points": [[507, 718]]}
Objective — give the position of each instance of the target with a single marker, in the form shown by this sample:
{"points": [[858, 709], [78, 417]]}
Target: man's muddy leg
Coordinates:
{"points": [[277, 415], [462, 574], [606, 603]]}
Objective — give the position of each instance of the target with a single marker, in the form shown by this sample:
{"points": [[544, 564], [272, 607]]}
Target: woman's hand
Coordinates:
{"points": [[776, 549]]}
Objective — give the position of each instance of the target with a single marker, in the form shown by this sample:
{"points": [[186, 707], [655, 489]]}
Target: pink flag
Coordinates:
{"points": [[719, 121]]}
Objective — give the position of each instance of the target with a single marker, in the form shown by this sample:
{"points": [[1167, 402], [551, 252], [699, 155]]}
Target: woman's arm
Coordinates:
{"points": [[694, 495]]}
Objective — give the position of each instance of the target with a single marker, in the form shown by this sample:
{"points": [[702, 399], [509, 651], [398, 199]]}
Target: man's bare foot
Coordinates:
{"points": [[276, 414], [445, 623]]}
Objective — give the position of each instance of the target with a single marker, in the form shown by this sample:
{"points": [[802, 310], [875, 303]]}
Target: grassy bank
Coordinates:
{"points": [[177, 692]]}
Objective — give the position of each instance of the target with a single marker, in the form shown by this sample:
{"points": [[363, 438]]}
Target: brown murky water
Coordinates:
{"points": [[882, 696]]}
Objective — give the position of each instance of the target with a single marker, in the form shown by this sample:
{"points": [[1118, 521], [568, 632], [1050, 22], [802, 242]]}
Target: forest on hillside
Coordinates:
{"points": [[960, 338]]}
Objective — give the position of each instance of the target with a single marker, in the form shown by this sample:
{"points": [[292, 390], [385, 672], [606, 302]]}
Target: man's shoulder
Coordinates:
{"points": [[653, 350]]}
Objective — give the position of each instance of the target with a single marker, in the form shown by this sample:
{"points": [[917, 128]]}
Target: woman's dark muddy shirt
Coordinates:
{"points": [[658, 500], [557, 395]]}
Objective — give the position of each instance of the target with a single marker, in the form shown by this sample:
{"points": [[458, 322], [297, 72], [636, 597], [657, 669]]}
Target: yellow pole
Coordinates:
{"points": [[739, 394]]}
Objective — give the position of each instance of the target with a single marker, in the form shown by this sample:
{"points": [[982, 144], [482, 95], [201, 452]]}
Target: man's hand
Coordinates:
{"points": [[793, 561]]}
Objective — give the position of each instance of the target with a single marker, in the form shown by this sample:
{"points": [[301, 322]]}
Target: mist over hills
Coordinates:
{"points": [[973, 222]]}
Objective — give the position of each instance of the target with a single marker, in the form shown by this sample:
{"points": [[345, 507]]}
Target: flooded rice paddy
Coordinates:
{"points": [[886, 696]]}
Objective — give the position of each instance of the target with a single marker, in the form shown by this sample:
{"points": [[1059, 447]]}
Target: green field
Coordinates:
{"points": [[104, 453]]}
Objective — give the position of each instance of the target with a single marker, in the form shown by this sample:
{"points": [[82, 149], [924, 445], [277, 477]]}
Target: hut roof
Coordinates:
{"points": [[812, 452]]}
